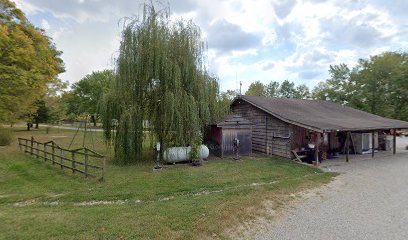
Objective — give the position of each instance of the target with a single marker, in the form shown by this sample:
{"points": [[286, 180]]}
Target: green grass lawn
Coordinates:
{"points": [[39, 201]]}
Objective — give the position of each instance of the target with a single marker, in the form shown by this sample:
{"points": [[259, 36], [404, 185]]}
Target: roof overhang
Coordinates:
{"points": [[312, 128]]}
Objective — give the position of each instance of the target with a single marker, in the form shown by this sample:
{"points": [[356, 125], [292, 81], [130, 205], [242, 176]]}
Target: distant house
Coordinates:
{"points": [[281, 126]]}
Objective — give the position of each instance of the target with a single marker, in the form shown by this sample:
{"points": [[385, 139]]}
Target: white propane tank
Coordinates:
{"points": [[180, 154], [176, 154], [204, 152]]}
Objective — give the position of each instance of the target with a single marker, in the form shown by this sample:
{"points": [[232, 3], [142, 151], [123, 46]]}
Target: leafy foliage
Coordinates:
{"points": [[160, 77], [50, 107], [336, 88], [28, 62], [256, 89], [286, 89], [378, 85], [301, 92], [272, 89], [87, 93]]}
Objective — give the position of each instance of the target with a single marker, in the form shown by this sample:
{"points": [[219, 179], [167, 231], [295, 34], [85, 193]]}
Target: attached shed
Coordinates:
{"points": [[281, 126], [222, 135]]}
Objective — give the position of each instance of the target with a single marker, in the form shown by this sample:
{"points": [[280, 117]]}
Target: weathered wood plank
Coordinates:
{"points": [[264, 128], [41, 150]]}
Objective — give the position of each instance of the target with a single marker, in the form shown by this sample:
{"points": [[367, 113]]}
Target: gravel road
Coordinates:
{"points": [[369, 200]]}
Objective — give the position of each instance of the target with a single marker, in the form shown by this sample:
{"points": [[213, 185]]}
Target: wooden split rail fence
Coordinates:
{"points": [[82, 160]]}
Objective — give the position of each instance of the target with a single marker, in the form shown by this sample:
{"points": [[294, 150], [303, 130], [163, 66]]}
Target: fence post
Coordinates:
{"points": [[32, 145], [86, 162], [45, 152], [38, 150], [73, 162], [53, 153], [26, 144], [20, 144]]}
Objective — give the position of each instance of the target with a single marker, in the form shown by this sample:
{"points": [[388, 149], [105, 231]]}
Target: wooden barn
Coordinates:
{"points": [[220, 137], [312, 128]]}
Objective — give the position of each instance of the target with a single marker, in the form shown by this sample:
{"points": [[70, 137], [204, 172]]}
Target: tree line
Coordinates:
{"points": [[286, 89], [160, 76], [377, 84]]}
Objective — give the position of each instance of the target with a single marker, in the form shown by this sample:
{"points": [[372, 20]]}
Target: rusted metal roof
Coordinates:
{"points": [[321, 115], [234, 121]]}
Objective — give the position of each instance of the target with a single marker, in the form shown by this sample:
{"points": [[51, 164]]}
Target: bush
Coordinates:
{"points": [[5, 136]]}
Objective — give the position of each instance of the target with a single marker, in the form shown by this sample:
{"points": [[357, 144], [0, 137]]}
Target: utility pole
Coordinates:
{"points": [[240, 87]]}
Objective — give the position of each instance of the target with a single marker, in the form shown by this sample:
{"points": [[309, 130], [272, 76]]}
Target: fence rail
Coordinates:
{"points": [[81, 160]]}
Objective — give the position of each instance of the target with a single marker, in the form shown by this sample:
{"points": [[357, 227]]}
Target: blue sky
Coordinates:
{"points": [[248, 41]]}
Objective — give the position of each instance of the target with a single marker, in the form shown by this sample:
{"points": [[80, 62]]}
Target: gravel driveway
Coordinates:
{"points": [[369, 200]]}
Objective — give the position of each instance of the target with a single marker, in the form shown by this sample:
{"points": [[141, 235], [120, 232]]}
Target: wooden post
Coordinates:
{"points": [[347, 146], [372, 144], [53, 153], [83, 142], [20, 144], [86, 162], [73, 162], [45, 152], [26, 145], [38, 150], [32, 145], [317, 149], [394, 142]]}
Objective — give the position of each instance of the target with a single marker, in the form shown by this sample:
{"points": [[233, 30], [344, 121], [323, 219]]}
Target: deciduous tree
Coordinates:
{"points": [[160, 77], [378, 84], [287, 89], [272, 89], [256, 89], [28, 62]]}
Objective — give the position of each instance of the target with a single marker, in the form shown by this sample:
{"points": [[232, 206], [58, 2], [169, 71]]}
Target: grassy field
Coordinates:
{"points": [[39, 201]]}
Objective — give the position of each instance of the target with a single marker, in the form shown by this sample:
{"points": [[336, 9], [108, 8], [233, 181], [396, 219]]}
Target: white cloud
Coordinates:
{"points": [[45, 25], [248, 40]]}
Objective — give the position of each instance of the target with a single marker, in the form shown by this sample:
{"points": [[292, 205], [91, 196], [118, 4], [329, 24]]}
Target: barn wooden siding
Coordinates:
{"points": [[269, 134], [244, 137], [299, 137]]}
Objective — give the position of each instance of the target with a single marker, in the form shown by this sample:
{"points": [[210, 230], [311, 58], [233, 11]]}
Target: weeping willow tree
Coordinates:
{"points": [[160, 77]]}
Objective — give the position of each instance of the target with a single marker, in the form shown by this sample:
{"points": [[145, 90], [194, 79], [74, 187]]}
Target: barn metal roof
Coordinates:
{"points": [[321, 115]]}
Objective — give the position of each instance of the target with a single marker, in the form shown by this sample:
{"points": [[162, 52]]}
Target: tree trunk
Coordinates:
{"points": [[28, 126], [93, 119], [36, 125], [161, 150]]}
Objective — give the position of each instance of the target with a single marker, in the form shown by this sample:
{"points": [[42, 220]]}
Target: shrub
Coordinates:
{"points": [[5, 136]]}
